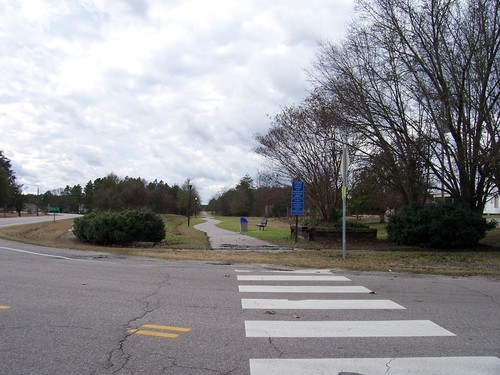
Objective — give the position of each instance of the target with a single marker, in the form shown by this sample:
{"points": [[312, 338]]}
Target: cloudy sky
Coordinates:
{"points": [[158, 89]]}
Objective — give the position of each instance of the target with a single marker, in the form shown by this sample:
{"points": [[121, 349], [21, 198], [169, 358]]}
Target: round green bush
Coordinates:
{"points": [[118, 228], [448, 226]]}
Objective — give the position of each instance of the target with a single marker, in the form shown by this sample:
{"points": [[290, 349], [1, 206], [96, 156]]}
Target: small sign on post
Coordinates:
{"points": [[297, 203]]}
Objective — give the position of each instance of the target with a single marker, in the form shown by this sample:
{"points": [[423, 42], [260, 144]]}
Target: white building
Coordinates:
{"points": [[492, 206]]}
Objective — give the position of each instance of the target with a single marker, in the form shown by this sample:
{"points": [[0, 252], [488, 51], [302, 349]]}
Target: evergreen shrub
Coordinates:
{"points": [[440, 226], [119, 228]]}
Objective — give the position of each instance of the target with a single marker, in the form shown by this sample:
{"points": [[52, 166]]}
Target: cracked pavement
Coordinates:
{"points": [[72, 314]]}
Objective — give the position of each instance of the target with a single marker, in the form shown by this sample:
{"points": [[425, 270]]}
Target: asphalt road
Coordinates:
{"points": [[18, 220], [72, 312]]}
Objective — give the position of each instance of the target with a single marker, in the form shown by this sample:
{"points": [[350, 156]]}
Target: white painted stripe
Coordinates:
{"points": [[33, 253], [302, 289], [381, 328], [378, 366], [54, 256], [320, 304], [291, 278], [305, 271]]}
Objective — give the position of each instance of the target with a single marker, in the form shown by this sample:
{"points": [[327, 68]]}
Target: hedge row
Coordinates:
{"points": [[118, 228], [448, 226]]}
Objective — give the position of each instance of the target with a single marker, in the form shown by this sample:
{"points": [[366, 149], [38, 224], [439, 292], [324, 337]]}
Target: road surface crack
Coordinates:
{"points": [[388, 365], [273, 345], [167, 370], [118, 358]]}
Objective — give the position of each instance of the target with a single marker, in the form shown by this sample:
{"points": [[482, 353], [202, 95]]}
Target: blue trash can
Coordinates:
{"points": [[243, 224]]}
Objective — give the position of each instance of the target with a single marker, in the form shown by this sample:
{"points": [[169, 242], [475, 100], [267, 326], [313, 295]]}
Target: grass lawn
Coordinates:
{"points": [[186, 243], [279, 229]]}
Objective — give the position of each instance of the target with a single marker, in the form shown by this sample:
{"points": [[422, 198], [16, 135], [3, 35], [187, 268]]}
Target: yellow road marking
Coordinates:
{"points": [[166, 328], [151, 333], [4, 307], [159, 334]]}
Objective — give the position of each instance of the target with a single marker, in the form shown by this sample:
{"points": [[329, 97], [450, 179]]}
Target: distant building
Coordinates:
{"points": [[29, 208], [492, 206]]}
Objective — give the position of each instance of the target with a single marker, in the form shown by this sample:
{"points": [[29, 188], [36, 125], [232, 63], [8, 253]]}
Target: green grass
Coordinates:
{"points": [[375, 223], [275, 229], [187, 243], [179, 235], [278, 230]]}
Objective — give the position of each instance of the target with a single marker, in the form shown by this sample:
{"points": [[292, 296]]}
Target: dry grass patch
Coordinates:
{"points": [[46, 233], [187, 243]]}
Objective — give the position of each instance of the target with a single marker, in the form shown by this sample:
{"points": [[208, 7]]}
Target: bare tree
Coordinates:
{"points": [[305, 143], [420, 81]]}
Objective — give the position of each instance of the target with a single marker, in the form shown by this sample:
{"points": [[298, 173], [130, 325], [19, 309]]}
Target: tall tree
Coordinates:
{"points": [[10, 190], [133, 193], [305, 143], [107, 193], [88, 196], [242, 200], [370, 193], [161, 198], [76, 195], [187, 197], [420, 81], [272, 200]]}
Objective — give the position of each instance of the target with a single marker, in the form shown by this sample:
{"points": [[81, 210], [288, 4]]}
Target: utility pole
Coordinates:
{"points": [[189, 203]]}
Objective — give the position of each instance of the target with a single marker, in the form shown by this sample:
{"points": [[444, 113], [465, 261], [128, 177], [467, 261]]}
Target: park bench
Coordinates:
{"points": [[262, 224]]}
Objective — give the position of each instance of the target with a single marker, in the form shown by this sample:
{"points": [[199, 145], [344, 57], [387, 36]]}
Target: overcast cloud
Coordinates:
{"points": [[167, 89]]}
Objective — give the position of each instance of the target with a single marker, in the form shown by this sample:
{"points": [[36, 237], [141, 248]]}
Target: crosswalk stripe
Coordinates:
{"points": [[384, 328], [344, 329], [377, 366], [291, 278], [303, 289], [304, 271], [276, 304], [315, 271]]}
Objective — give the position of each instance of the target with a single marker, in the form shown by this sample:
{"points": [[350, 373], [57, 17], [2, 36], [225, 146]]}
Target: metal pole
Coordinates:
{"points": [[296, 227], [345, 166], [189, 204], [344, 214], [442, 174]]}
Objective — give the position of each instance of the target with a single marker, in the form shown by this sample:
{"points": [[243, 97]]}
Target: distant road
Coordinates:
{"points": [[12, 221]]}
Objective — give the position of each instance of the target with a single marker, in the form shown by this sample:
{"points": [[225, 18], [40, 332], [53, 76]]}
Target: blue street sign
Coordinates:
{"points": [[298, 186], [297, 198]]}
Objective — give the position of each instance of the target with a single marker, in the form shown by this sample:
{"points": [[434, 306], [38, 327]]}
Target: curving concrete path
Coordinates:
{"points": [[222, 239]]}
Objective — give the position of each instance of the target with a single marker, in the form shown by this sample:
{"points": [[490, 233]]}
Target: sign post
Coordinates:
{"points": [[344, 166], [297, 203]]}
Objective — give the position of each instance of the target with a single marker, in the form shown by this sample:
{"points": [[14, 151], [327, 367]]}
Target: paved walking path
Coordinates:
{"points": [[222, 239]]}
